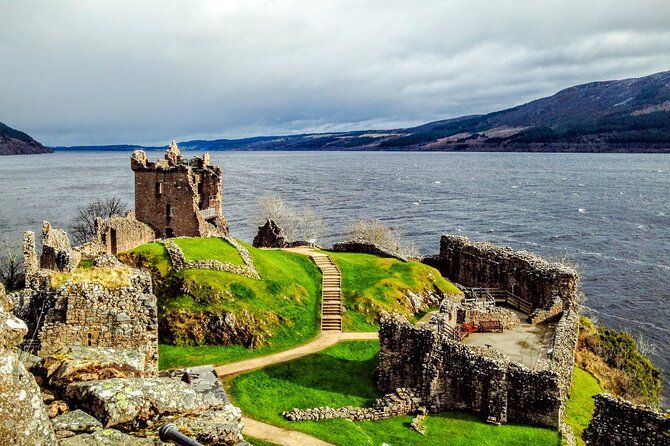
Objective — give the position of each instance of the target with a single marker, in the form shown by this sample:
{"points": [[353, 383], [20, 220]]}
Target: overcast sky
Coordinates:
{"points": [[104, 72]]}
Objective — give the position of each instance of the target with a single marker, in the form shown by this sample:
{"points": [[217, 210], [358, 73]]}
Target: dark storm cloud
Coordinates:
{"points": [[109, 72]]}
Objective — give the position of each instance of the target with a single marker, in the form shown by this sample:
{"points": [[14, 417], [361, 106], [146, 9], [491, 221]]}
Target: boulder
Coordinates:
{"points": [[79, 363], [270, 235], [75, 422], [215, 426], [119, 401], [205, 381]]}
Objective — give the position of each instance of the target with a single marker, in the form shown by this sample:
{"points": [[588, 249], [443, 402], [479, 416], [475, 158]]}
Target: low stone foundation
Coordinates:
{"points": [[179, 261], [617, 422], [400, 402]]}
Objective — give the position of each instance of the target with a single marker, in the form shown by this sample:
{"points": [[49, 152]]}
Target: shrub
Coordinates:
{"points": [[83, 225], [615, 359], [390, 239], [305, 224]]}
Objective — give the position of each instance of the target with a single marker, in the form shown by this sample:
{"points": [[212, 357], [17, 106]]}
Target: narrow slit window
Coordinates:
{"points": [[168, 210], [159, 188]]}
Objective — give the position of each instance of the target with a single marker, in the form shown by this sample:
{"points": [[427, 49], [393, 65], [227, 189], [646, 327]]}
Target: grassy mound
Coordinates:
{"points": [[244, 317], [373, 284], [613, 358], [580, 407], [343, 375], [209, 249]]}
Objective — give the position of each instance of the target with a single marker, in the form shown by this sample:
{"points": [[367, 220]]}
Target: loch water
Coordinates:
{"points": [[609, 214]]}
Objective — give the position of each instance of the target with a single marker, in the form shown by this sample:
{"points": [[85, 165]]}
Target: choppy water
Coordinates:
{"points": [[608, 213]]}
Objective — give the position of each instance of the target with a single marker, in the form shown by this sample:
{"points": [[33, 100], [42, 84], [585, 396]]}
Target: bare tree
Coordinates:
{"points": [[390, 239], [83, 225], [304, 225], [644, 345], [11, 266], [310, 225]]}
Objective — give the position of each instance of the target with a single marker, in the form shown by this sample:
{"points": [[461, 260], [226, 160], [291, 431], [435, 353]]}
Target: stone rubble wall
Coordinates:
{"points": [[24, 417], [452, 376], [617, 422], [365, 247], [179, 261], [89, 314], [400, 402], [521, 273]]}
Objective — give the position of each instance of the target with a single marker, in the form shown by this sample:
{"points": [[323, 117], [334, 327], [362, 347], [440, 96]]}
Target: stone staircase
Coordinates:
{"points": [[331, 303]]}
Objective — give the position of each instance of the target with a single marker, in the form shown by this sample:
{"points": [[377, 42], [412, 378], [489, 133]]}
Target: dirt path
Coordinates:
{"points": [[325, 340], [331, 334], [279, 435]]}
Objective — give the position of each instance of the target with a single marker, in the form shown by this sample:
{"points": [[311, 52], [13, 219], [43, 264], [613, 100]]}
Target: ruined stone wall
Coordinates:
{"points": [[89, 314], [118, 234], [24, 417], [452, 376], [617, 422], [57, 253], [545, 285]]}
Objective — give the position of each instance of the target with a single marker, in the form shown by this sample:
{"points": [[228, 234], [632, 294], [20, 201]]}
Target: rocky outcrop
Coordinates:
{"points": [[617, 422], [57, 253], [270, 235], [364, 247], [184, 327], [24, 418]]}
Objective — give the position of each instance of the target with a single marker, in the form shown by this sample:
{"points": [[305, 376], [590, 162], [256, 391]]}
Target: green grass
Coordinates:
{"points": [[579, 410], [372, 284], [153, 256], [213, 248], [344, 375], [257, 441], [285, 302]]}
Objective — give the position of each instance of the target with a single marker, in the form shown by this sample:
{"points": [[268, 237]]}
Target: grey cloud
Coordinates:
{"points": [[77, 72]]}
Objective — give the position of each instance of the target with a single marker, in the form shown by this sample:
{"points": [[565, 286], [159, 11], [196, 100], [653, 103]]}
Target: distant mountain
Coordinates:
{"points": [[15, 142], [630, 115]]}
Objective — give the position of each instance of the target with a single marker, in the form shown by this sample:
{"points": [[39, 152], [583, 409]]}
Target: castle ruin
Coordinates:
{"points": [[178, 197], [504, 351]]}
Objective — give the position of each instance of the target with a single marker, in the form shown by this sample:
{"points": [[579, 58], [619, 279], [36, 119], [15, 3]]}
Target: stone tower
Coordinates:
{"points": [[178, 197]]}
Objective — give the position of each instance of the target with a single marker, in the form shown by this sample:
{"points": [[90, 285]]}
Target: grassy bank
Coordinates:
{"points": [[373, 284], [282, 308], [579, 410], [343, 375]]}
